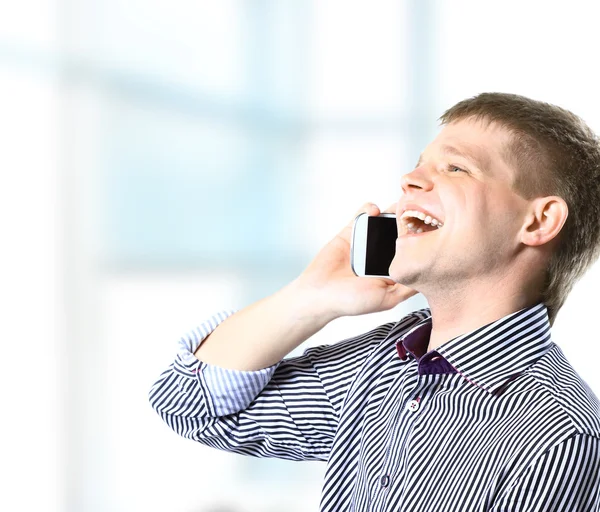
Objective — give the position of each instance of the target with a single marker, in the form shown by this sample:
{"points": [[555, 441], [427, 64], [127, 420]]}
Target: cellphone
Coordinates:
{"points": [[373, 245]]}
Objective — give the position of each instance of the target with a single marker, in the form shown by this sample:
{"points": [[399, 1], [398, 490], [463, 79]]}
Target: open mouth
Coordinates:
{"points": [[416, 223]]}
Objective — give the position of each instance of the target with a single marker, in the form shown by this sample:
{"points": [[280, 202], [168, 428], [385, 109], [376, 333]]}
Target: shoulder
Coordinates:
{"points": [[568, 390], [373, 341]]}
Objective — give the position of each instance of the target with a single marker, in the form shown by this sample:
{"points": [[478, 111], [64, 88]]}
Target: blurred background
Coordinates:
{"points": [[166, 160]]}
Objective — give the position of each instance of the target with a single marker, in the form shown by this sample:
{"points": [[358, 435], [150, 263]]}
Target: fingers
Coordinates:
{"points": [[370, 209], [373, 210]]}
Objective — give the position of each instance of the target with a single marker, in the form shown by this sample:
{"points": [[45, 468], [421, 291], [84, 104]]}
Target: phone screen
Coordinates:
{"points": [[382, 233]]}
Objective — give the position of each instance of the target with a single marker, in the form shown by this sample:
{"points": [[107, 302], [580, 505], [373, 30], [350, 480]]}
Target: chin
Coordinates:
{"points": [[395, 272], [403, 275]]}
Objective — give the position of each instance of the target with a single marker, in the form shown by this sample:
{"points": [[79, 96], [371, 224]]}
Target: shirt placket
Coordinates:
{"points": [[413, 406]]}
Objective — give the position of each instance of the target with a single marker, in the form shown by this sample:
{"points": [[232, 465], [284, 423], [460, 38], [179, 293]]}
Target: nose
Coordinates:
{"points": [[417, 179]]}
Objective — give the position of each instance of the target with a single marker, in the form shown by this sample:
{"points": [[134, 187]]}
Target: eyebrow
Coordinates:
{"points": [[472, 154]]}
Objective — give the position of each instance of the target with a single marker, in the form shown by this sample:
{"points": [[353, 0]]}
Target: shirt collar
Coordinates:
{"points": [[493, 355]]}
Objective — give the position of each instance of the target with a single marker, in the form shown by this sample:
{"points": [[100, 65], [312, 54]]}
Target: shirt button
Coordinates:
{"points": [[412, 406], [384, 480]]}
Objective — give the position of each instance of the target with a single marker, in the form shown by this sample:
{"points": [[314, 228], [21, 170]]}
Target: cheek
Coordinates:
{"points": [[496, 219], [481, 214], [478, 223], [473, 210], [505, 209]]}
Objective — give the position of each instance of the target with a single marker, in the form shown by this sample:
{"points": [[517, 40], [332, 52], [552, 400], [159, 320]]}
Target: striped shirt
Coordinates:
{"points": [[492, 420]]}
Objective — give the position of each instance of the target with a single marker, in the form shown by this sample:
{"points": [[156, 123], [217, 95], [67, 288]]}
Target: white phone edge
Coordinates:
{"points": [[358, 244]]}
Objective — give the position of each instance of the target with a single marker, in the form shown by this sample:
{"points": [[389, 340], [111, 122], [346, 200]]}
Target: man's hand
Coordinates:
{"points": [[334, 286], [265, 332]]}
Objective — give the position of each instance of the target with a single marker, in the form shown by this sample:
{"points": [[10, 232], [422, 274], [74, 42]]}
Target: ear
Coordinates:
{"points": [[545, 219]]}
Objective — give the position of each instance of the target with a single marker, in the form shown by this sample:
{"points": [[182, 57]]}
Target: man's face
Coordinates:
{"points": [[463, 182]]}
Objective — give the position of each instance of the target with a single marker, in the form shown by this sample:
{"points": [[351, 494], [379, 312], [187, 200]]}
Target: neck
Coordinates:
{"points": [[458, 311]]}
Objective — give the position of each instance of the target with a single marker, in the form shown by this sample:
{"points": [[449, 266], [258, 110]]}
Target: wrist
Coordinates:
{"points": [[309, 303]]}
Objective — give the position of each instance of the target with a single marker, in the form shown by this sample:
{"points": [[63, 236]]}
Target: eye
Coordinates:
{"points": [[456, 168]]}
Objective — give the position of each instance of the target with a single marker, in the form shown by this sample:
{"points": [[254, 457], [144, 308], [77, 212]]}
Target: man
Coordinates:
{"points": [[465, 406]]}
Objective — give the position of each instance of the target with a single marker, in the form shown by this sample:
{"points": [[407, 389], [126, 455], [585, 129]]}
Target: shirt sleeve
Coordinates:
{"points": [[566, 478], [289, 410]]}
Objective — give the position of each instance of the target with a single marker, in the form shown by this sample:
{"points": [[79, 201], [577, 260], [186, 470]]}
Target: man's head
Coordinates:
{"points": [[523, 198]]}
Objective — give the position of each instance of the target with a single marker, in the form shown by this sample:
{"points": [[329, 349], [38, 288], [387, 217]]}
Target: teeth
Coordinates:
{"points": [[420, 230], [427, 219]]}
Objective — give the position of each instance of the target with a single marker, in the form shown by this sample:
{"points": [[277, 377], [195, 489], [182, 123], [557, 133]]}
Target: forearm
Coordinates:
{"points": [[265, 332]]}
